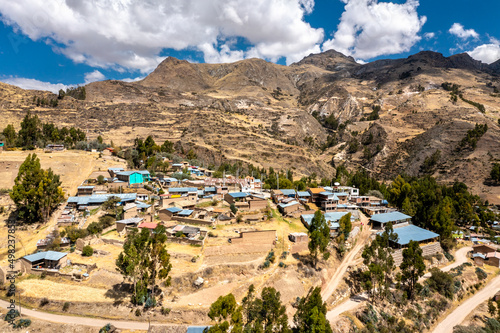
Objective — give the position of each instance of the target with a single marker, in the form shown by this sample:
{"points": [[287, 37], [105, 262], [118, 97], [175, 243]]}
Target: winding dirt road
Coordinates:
{"points": [[460, 313]]}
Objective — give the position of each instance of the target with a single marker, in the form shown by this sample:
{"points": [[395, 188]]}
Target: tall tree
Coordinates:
{"points": [[10, 135], [159, 259], [494, 174], [412, 267], [319, 236], [311, 314], [30, 131], [36, 192]]}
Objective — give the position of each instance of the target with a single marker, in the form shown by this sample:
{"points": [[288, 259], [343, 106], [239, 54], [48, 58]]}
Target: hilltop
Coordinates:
{"points": [[387, 116]]}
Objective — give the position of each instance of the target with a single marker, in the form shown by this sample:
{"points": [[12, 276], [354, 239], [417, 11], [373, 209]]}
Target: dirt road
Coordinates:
{"points": [[86, 321], [461, 312], [358, 300], [330, 287]]}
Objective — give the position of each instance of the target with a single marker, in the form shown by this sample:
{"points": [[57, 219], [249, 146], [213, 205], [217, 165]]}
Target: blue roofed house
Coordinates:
{"points": [[380, 220], [282, 194], [332, 218], [190, 193], [134, 177], [196, 329], [304, 196], [329, 201], [2, 145], [289, 208], [43, 260]]}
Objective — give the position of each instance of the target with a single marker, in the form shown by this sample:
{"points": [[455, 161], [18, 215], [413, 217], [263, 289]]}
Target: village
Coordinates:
{"points": [[222, 235]]}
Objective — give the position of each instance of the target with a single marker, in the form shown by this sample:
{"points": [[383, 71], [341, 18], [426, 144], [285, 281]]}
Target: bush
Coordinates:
{"points": [[87, 251], [481, 275], [11, 315], [66, 306], [22, 323], [44, 301], [165, 311], [441, 282], [138, 312], [105, 329]]}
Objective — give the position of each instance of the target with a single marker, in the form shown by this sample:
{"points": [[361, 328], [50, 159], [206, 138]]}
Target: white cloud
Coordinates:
{"points": [[130, 34], [33, 84], [368, 29], [429, 35], [94, 76], [128, 79], [487, 53], [458, 30]]}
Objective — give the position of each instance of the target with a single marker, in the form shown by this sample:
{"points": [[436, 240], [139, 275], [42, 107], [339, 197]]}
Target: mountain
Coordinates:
{"points": [[388, 116]]}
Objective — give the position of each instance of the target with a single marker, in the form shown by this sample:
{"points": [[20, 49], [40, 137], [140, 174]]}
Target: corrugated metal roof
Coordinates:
{"points": [[412, 233], [210, 189], [389, 217], [303, 194], [132, 220], [142, 205], [128, 173], [288, 192], [101, 198], [283, 205], [174, 209], [182, 189], [85, 187], [316, 190], [239, 194], [185, 212], [196, 329], [49, 255]]}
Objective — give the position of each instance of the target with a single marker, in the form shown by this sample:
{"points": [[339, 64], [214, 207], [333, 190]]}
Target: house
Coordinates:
{"points": [[379, 220], [332, 218], [134, 177], [407, 233], [55, 147], [243, 200], [298, 237], [129, 210], [361, 201], [187, 231], [131, 222], [147, 225], [167, 213], [43, 243], [304, 196], [279, 195], [189, 193], [85, 190], [169, 181], [289, 208], [328, 201], [2, 145], [314, 192], [350, 190], [108, 151], [98, 199], [114, 170], [43, 260]]}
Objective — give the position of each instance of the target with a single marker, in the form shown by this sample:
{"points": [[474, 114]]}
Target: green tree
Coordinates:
{"points": [[222, 310], [412, 267], [191, 155], [87, 251], [491, 307], [36, 191], [167, 147], [233, 208], [111, 205], [319, 236], [494, 174], [100, 179], [311, 314], [30, 131], [10, 135], [158, 263]]}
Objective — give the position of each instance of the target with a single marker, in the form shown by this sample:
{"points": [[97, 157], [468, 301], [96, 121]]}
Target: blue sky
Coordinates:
{"points": [[52, 44]]}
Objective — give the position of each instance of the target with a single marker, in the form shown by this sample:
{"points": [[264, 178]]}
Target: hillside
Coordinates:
{"points": [[280, 116]]}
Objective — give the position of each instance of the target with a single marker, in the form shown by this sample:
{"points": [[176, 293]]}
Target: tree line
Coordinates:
{"points": [[34, 132]]}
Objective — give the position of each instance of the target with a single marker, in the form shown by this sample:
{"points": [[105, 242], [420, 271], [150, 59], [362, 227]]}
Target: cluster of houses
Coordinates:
{"points": [[328, 199]]}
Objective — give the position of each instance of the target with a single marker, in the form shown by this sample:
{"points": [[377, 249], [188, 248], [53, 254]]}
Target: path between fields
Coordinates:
{"points": [[462, 311], [85, 321], [348, 260], [357, 300]]}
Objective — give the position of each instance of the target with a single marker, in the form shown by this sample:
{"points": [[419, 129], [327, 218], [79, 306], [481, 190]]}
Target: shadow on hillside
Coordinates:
{"points": [[120, 293]]}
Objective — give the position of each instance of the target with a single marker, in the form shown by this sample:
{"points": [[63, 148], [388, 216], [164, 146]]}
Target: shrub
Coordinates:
{"points": [[11, 315], [87, 251], [66, 306], [441, 282], [43, 275], [105, 329], [22, 323], [165, 311], [481, 275], [138, 312], [44, 301]]}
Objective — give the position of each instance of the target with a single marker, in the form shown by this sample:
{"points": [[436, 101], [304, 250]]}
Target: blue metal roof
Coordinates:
{"points": [[101, 198], [185, 212], [239, 194], [132, 220], [412, 233], [257, 181], [49, 255], [128, 173], [343, 194], [389, 217], [85, 187], [174, 209], [182, 189], [288, 192], [303, 194], [142, 205], [329, 217], [282, 205], [196, 329], [210, 189]]}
